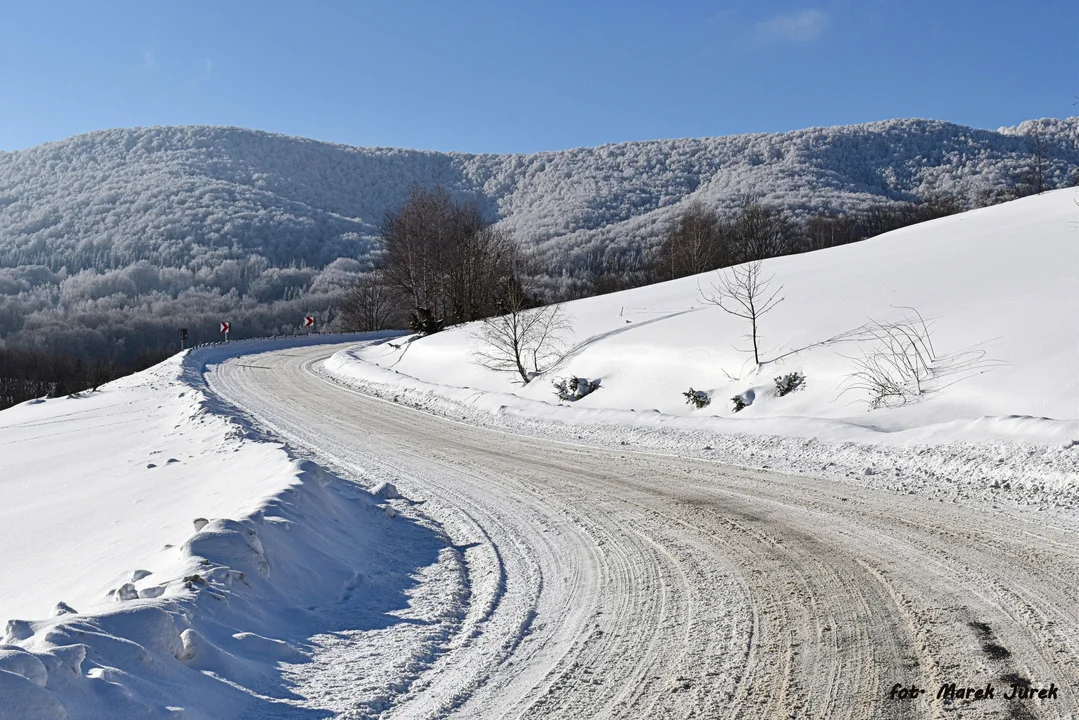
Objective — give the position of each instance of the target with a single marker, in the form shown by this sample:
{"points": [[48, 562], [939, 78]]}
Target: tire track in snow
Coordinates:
{"points": [[635, 585]]}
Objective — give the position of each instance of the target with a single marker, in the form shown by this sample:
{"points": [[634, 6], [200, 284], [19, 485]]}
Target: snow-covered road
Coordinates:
{"points": [[584, 582]]}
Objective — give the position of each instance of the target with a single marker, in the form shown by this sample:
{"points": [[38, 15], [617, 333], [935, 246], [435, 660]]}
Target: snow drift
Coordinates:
{"points": [[160, 559]]}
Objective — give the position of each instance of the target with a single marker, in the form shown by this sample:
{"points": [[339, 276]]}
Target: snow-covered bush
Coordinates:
{"points": [[786, 384], [422, 322], [574, 388], [386, 490], [697, 398], [896, 369], [739, 403]]}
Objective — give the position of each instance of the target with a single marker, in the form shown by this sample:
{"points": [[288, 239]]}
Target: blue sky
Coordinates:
{"points": [[525, 76]]}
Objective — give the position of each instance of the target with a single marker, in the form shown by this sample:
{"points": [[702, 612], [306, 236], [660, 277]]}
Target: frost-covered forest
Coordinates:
{"points": [[111, 241]]}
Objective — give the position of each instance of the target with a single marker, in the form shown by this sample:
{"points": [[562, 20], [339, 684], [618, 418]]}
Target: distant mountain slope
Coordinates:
{"points": [[132, 220]]}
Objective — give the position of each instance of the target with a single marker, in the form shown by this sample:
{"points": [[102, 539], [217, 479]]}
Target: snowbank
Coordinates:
{"points": [[158, 558], [997, 288]]}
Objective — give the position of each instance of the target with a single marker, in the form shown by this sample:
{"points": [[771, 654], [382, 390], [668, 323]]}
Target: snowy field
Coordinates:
{"points": [[993, 293]]}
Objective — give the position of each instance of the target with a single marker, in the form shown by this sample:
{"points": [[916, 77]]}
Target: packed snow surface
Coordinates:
{"points": [[601, 579]]}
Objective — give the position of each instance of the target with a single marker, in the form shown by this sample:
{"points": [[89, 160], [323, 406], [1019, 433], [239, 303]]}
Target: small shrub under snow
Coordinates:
{"points": [[574, 388], [423, 322], [786, 384], [126, 592], [739, 403], [697, 398]]}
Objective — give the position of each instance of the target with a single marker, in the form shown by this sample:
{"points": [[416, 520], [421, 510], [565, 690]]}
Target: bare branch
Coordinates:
{"points": [[898, 367]]}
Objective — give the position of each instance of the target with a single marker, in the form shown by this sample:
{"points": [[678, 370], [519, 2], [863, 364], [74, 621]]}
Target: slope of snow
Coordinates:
{"points": [[997, 287], [159, 558]]}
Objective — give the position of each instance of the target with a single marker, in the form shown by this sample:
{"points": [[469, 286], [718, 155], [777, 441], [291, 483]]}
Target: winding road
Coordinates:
{"points": [[584, 582]]}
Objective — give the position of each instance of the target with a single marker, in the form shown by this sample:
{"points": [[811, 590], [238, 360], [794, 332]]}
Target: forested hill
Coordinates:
{"points": [[121, 235]]}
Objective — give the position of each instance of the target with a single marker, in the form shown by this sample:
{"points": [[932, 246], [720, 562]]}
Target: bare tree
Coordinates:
{"points": [[478, 256], [414, 236], [1036, 174], [896, 369], [697, 242], [371, 304], [103, 371], [742, 292], [610, 271], [522, 341], [525, 338], [444, 256], [761, 232], [901, 364], [1028, 179], [548, 337], [826, 230]]}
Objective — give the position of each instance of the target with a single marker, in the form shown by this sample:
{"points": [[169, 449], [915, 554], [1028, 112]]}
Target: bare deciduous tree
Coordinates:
{"points": [[761, 232], [103, 372], [548, 337], [371, 304], [697, 242], [827, 230], [611, 270], [440, 252], [902, 364], [1035, 177], [895, 370], [742, 292], [473, 264], [523, 341], [525, 338], [414, 236]]}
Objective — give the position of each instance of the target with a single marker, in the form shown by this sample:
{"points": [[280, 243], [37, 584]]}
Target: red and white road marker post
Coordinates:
{"points": [[309, 322], [225, 329]]}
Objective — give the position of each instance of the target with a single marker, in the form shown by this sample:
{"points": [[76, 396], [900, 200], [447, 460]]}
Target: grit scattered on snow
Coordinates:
{"points": [[159, 559], [998, 414]]}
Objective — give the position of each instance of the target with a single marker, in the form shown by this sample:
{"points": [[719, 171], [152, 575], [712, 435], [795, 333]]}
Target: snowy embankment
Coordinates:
{"points": [[159, 559], [994, 410]]}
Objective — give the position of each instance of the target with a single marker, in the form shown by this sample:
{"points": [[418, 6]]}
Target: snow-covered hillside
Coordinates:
{"points": [[186, 224], [997, 288]]}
